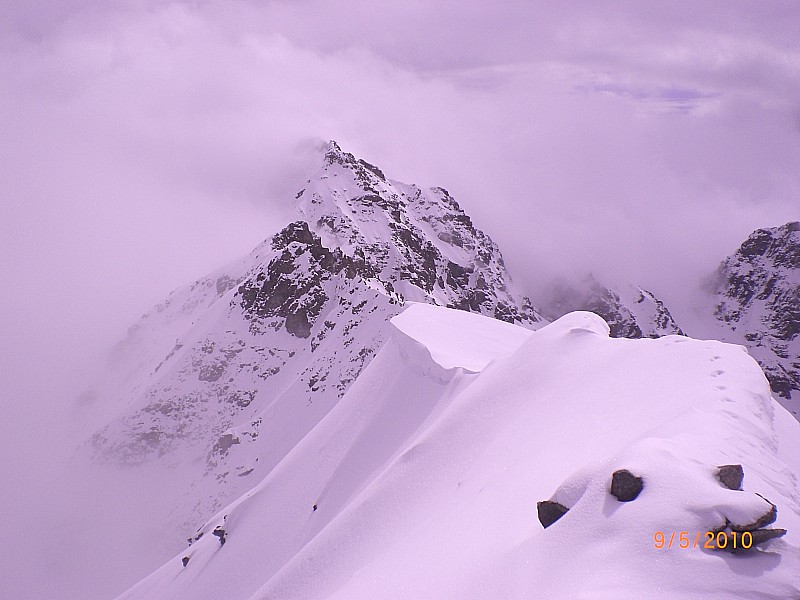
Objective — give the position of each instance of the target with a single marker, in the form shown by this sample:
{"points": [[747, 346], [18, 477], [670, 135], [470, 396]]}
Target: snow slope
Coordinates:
{"points": [[422, 481]]}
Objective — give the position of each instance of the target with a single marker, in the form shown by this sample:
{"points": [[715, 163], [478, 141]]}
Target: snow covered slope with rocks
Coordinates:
{"points": [[219, 383], [422, 482], [758, 305]]}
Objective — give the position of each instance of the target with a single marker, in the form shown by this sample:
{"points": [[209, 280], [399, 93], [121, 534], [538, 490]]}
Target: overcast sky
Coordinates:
{"points": [[146, 143]]}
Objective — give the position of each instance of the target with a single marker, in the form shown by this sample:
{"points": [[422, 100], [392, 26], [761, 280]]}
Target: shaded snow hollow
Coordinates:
{"points": [[425, 476]]}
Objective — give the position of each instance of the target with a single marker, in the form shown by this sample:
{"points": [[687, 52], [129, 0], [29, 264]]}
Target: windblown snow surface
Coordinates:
{"points": [[423, 481]]}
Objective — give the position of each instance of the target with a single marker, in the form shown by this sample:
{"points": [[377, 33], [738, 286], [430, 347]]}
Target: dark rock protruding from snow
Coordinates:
{"points": [[220, 533], [764, 535], [549, 512], [625, 486], [735, 540], [767, 518], [731, 476]]}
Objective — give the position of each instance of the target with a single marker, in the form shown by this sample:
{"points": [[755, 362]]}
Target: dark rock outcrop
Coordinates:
{"points": [[292, 285], [766, 519], [739, 539]]}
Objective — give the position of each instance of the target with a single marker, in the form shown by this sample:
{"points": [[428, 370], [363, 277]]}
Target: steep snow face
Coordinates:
{"points": [[422, 482], [630, 312], [225, 377], [759, 302]]}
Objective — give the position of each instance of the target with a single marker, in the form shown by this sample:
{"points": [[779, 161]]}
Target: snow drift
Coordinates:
{"points": [[422, 482]]}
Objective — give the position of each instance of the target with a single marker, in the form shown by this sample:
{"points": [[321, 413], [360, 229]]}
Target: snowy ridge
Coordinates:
{"points": [[414, 487]]}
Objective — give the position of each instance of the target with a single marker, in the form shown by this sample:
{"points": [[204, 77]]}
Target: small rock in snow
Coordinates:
{"points": [[550, 512], [731, 476], [625, 486]]}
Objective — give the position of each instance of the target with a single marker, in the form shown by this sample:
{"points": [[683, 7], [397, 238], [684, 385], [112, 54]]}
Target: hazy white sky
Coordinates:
{"points": [[143, 143]]}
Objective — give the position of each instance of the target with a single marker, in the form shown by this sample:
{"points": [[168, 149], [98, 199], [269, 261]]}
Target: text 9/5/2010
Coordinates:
{"points": [[711, 540]]}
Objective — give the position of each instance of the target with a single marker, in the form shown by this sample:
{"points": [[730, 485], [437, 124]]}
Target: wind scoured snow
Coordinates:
{"points": [[421, 486]]}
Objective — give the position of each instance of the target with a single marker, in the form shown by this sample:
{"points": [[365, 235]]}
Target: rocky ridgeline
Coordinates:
{"points": [[631, 312], [418, 244], [759, 300]]}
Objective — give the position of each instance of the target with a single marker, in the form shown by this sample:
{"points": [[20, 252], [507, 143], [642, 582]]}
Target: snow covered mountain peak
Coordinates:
{"points": [[320, 423], [417, 243], [227, 375]]}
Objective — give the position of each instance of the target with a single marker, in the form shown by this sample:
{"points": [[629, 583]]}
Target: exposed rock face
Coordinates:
{"points": [[227, 375], [766, 519], [744, 538], [759, 301], [291, 287], [632, 312]]}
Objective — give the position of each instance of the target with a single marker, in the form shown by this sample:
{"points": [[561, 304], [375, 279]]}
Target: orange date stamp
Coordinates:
{"points": [[711, 540]]}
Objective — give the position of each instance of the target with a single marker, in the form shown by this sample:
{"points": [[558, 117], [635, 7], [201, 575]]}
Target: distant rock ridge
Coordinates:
{"points": [[631, 312], [759, 301], [416, 243]]}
